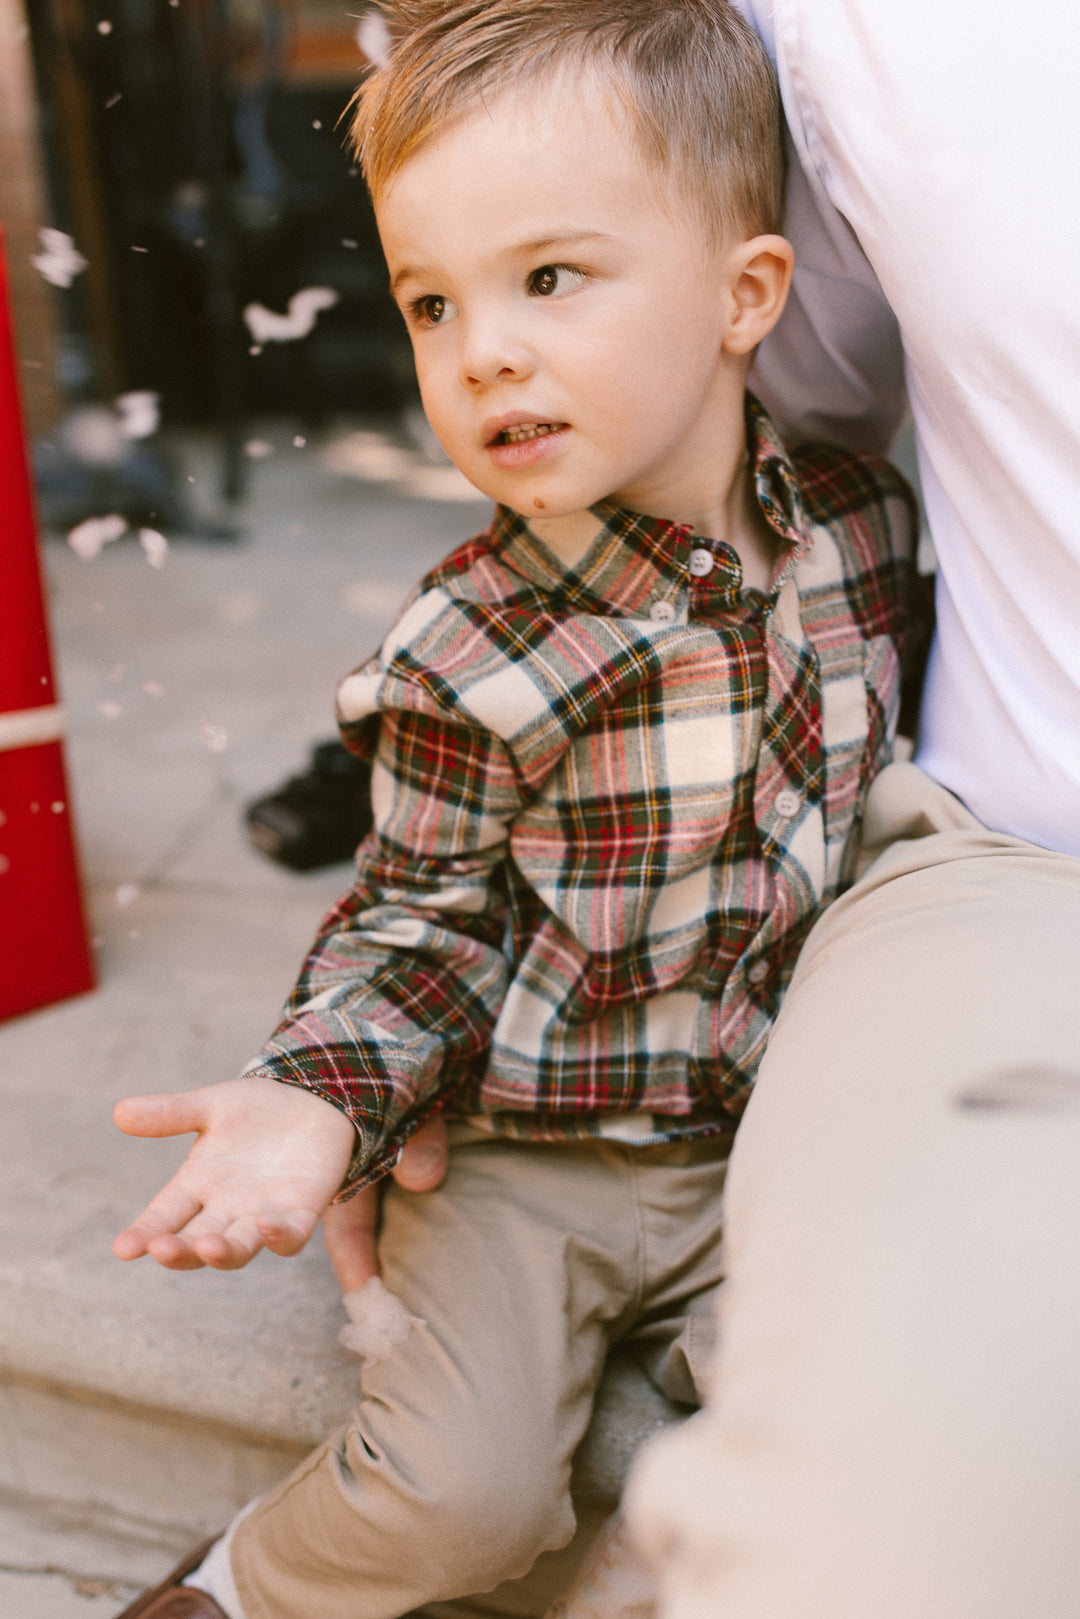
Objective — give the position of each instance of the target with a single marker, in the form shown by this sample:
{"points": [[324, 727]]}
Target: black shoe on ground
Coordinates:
{"points": [[316, 819]]}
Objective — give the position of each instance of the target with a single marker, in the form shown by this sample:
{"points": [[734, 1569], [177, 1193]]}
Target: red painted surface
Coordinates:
{"points": [[44, 953]]}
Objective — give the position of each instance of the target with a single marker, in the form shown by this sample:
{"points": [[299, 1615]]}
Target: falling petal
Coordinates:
{"points": [[87, 538], [257, 449], [152, 689], [126, 895], [267, 326], [59, 260], [155, 545], [140, 413], [373, 38]]}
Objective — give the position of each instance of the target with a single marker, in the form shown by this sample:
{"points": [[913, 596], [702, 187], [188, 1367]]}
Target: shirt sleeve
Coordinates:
{"points": [[397, 999]]}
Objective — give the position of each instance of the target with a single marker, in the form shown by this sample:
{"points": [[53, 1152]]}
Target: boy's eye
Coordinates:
{"points": [[431, 310], [555, 280]]}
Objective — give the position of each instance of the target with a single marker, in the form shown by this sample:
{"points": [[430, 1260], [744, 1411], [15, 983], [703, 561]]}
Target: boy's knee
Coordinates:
{"points": [[488, 1510]]}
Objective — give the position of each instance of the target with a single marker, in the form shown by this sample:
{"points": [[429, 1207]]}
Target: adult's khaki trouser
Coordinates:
{"points": [[453, 1475], [893, 1428]]}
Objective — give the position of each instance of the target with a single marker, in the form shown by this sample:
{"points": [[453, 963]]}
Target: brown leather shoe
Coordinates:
{"points": [[171, 1600]]}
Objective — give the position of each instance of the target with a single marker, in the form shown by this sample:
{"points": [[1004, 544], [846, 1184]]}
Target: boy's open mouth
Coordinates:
{"points": [[526, 431]]}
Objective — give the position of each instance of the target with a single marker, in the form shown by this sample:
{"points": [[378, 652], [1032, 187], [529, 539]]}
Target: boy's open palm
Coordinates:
{"points": [[268, 1159]]}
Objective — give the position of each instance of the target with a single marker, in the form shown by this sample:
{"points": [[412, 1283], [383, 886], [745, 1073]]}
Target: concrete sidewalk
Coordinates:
{"points": [[141, 1408]]}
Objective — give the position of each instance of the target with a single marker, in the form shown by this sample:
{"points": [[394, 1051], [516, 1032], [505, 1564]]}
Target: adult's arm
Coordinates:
{"points": [[832, 368]]}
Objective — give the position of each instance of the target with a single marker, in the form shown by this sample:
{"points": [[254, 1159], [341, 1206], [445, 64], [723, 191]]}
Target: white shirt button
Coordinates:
{"points": [[758, 973], [701, 562], [662, 612], [787, 802]]}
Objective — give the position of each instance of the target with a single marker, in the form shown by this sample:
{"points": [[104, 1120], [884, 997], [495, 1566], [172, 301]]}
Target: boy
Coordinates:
{"points": [[621, 743]]}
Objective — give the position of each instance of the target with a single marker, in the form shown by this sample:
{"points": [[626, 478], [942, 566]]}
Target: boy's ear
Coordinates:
{"points": [[759, 272]]}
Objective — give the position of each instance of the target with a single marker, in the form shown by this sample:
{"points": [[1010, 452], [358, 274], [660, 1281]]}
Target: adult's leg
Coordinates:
{"points": [[894, 1417]]}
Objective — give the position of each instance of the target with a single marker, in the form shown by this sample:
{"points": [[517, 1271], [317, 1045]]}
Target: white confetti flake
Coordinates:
{"points": [[5, 864], [267, 326], [373, 38], [59, 260], [257, 449], [58, 806], [3, 819], [347, 241], [112, 101], [214, 737], [316, 123], [88, 538], [104, 26], [153, 689], [140, 413], [155, 545], [110, 710], [378, 1322], [125, 895], [299, 441], [117, 672]]}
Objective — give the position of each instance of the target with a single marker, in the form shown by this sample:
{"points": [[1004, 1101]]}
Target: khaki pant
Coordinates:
{"points": [[893, 1429], [525, 1268]]}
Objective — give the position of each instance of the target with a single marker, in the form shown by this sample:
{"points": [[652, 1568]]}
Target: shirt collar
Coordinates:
{"points": [[633, 558]]}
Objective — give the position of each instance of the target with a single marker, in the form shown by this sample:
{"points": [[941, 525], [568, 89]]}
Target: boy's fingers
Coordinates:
{"points": [[168, 1213], [286, 1234], [349, 1235], [173, 1114], [173, 1253], [424, 1158], [230, 1249]]}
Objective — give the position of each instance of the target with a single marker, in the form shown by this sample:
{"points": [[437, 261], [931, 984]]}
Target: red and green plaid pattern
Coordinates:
{"points": [[601, 836]]}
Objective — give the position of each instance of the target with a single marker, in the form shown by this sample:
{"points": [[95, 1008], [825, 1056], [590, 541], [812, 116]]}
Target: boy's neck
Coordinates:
{"points": [[719, 502]]}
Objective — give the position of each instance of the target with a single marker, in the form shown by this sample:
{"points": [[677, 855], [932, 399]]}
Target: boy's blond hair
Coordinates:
{"points": [[691, 77]]}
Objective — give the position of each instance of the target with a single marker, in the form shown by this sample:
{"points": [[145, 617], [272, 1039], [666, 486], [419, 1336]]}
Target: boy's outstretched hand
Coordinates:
{"points": [[268, 1159], [267, 1162]]}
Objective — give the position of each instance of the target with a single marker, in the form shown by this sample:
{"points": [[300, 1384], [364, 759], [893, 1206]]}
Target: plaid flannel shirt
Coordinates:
{"points": [[610, 801]]}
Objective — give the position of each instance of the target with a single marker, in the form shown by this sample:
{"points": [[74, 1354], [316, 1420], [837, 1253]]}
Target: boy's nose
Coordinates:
{"points": [[491, 355]]}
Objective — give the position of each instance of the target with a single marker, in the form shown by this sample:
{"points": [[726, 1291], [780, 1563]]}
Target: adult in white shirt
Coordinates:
{"points": [[895, 1430]]}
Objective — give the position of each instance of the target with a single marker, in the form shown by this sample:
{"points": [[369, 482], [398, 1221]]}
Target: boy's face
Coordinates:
{"points": [[568, 331]]}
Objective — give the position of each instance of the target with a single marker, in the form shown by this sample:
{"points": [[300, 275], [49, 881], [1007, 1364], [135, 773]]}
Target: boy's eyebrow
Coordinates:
{"points": [[421, 272]]}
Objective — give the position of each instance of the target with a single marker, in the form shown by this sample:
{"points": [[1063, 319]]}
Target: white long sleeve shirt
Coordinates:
{"points": [[935, 213]]}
